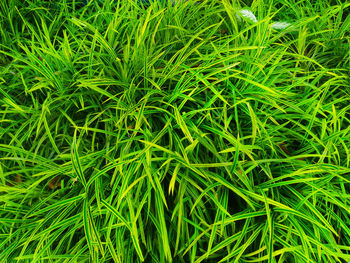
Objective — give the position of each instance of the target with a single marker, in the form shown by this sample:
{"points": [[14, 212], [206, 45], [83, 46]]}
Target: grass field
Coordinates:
{"points": [[211, 131]]}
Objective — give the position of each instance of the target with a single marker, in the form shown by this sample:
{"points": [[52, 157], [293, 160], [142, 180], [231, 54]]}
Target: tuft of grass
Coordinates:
{"points": [[174, 133]]}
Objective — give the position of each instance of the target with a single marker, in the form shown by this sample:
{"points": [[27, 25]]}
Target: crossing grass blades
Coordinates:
{"points": [[208, 132]]}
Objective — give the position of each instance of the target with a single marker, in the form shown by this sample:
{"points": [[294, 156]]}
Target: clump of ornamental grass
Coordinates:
{"points": [[208, 132]]}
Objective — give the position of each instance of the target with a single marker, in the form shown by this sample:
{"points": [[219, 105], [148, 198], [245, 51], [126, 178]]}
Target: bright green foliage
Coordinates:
{"points": [[174, 134]]}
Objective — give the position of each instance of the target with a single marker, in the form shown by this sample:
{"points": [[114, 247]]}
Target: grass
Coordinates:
{"points": [[185, 133]]}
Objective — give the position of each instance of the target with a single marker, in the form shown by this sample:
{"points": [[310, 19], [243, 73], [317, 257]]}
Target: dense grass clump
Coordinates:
{"points": [[210, 131]]}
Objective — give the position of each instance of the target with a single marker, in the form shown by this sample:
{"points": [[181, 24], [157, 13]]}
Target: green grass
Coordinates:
{"points": [[174, 134]]}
